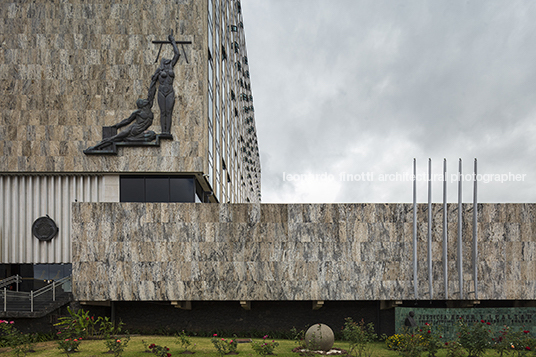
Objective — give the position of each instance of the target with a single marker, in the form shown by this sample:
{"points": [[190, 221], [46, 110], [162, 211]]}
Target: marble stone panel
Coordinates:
{"points": [[233, 254]]}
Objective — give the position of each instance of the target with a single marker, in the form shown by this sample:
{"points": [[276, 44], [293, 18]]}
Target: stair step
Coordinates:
{"points": [[22, 306]]}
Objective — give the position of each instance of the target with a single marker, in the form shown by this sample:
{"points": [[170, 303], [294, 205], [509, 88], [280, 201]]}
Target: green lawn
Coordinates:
{"points": [[203, 347]]}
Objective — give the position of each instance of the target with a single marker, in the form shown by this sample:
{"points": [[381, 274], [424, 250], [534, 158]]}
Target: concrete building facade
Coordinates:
{"points": [[178, 221], [68, 69]]}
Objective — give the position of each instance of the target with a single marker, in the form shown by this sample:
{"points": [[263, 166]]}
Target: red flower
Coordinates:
{"points": [[420, 330], [215, 335], [427, 324], [489, 323], [152, 346], [526, 331], [169, 355], [446, 343], [429, 331], [482, 321], [527, 348]]}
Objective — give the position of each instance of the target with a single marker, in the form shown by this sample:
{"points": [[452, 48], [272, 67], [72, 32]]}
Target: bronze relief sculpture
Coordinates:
{"points": [[137, 134], [166, 95]]}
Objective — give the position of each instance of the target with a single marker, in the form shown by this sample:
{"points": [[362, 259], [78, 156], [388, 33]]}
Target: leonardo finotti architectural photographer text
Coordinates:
{"points": [[396, 177]]}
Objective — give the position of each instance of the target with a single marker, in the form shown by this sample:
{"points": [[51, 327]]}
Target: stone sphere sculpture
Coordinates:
{"points": [[319, 337]]}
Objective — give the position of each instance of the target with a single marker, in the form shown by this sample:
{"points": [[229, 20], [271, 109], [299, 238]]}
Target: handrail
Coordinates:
{"points": [[51, 286], [32, 295], [19, 294], [12, 279]]}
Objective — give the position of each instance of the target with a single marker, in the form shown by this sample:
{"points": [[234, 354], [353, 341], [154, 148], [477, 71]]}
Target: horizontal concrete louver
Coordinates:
{"points": [[23, 199]]}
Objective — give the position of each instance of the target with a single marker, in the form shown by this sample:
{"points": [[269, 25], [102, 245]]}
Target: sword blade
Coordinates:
{"points": [[183, 50], [158, 55]]}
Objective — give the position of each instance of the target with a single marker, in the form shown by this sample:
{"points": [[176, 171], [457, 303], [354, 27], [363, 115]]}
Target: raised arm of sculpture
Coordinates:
{"points": [[175, 50]]}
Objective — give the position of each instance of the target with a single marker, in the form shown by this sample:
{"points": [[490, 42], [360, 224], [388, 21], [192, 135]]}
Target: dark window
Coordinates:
{"points": [[132, 189], [181, 190], [157, 189], [51, 271]]}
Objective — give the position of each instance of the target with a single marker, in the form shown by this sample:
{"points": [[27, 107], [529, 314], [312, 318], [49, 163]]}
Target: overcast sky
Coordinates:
{"points": [[346, 88]]}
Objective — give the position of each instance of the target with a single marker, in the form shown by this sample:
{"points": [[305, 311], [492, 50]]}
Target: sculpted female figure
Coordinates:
{"points": [[166, 95]]}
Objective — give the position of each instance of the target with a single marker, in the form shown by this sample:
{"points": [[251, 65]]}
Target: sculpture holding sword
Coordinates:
{"points": [[165, 75]]}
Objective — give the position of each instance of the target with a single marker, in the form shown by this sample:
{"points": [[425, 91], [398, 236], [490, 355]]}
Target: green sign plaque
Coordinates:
{"points": [[445, 320]]}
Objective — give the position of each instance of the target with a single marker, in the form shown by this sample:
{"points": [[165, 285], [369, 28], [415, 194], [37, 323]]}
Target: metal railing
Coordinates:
{"points": [[17, 279], [32, 295]]}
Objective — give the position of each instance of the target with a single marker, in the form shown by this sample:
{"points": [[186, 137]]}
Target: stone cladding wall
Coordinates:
{"points": [[68, 68], [158, 251]]}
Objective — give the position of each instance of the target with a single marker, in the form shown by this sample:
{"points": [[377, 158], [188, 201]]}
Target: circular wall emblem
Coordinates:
{"points": [[44, 228]]}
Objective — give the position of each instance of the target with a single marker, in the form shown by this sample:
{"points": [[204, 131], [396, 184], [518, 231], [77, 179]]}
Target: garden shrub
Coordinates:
{"points": [[117, 345], [19, 342], [431, 339], [519, 342], [359, 336], [474, 338], [78, 324], [160, 351], [184, 340], [299, 338], [407, 343], [69, 345], [264, 347], [224, 346], [454, 349]]}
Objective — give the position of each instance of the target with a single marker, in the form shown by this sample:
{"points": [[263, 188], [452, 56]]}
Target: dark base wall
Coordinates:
{"points": [[207, 317], [226, 317], [264, 316]]}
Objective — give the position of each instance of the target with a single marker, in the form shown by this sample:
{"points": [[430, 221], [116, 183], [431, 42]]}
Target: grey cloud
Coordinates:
{"points": [[368, 85]]}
